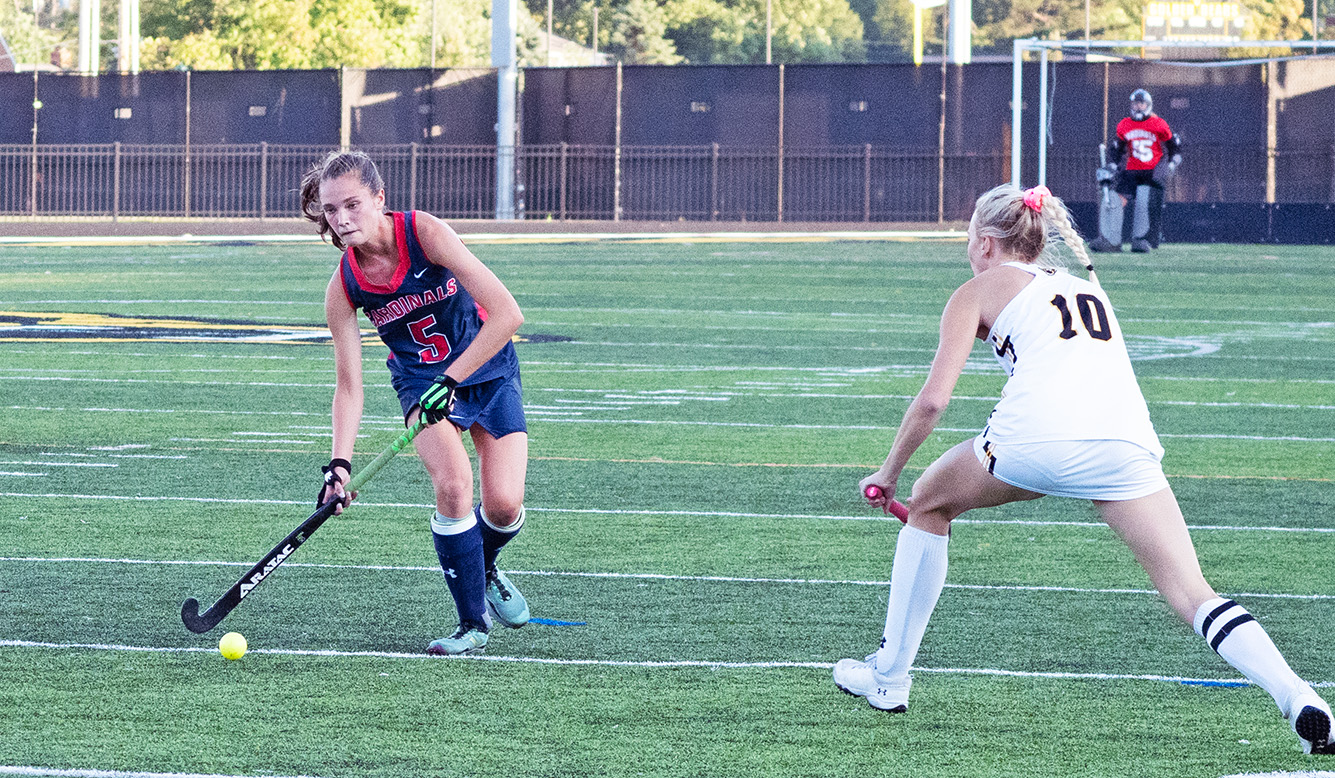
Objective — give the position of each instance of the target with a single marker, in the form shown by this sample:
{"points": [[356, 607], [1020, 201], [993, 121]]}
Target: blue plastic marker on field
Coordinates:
{"points": [[555, 623], [1224, 684]]}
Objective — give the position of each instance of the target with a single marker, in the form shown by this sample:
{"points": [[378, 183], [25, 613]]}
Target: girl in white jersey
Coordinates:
{"points": [[1071, 422]]}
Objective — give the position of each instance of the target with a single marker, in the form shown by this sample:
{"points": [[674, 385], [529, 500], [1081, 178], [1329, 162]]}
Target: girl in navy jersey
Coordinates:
{"points": [[1071, 422], [448, 322]]}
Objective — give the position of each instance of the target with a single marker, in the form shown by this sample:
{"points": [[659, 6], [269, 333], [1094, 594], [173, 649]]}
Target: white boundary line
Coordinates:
{"points": [[678, 663], [641, 576], [649, 512], [814, 236], [46, 772]]}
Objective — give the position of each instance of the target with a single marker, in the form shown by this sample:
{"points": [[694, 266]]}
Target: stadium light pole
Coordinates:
{"points": [[504, 23], [90, 36], [961, 31], [769, 31]]}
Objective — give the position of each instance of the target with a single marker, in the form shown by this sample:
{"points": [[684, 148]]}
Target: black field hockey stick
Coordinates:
{"points": [[203, 622]]}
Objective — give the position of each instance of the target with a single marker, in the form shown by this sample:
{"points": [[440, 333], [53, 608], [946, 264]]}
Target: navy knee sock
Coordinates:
{"points": [[459, 548], [494, 539]]}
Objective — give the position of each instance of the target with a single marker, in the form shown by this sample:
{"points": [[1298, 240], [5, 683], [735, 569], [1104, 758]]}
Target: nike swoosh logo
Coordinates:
{"points": [[419, 273]]}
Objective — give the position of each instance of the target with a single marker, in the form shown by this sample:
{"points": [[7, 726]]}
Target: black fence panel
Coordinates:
{"points": [[576, 106], [1302, 223], [1217, 223], [16, 95], [420, 105], [734, 105], [111, 108], [273, 106], [896, 106]]}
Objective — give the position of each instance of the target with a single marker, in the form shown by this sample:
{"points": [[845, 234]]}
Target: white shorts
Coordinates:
{"points": [[1083, 469]]}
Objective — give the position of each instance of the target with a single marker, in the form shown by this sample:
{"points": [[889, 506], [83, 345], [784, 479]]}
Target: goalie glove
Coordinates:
{"points": [[1165, 170], [438, 401]]}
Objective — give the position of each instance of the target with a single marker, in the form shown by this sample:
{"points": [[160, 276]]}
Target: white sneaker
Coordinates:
{"points": [[859, 679], [1310, 717]]}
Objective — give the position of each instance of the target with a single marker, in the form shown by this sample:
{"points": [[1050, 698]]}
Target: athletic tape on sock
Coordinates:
{"points": [[510, 530], [443, 525]]}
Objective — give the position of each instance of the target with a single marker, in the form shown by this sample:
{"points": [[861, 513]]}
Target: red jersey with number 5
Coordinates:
{"points": [[425, 317], [1144, 141]]}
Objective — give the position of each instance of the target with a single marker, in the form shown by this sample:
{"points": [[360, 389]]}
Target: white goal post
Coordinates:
{"points": [[1043, 47]]}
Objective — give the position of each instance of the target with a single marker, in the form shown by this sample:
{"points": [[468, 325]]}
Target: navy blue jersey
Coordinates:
{"points": [[423, 314]]}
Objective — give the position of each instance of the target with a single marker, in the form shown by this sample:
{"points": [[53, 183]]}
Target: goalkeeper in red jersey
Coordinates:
{"points": [[1152, 154]]}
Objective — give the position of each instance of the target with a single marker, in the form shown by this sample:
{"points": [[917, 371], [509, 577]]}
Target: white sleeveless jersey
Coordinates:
{"points": [[1070, 376]]}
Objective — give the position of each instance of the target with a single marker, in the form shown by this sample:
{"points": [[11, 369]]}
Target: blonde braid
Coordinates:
{"points": [[1056, 212]]}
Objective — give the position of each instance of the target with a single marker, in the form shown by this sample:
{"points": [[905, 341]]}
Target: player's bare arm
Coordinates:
{"points": [[959, 325], [443, 247], [348, 391]]}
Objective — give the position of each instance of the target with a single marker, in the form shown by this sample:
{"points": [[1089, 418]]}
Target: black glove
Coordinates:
{"points": [[438, 401], [330, 479]]}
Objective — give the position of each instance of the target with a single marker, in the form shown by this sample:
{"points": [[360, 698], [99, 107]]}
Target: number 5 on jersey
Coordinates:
{"points": [[437, 346]]}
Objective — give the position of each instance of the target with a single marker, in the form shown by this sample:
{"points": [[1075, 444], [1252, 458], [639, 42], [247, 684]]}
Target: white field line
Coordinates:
{"points": [[673, 663], [681, 663], [643, 576], [538, 412], [46, 772], [372, 359], [710, 394], [645, 512], [979, 366], [64, 464], [950, 236]]}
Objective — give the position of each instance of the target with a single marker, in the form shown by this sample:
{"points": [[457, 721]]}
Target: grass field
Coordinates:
{"points": [[700, 415]]}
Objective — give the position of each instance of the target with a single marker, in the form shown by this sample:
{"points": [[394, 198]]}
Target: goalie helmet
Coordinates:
{"points": [[1138, 98]]}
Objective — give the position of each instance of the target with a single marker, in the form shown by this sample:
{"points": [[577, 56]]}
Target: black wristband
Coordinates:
{"points": [[333, 463], [450, 382]]}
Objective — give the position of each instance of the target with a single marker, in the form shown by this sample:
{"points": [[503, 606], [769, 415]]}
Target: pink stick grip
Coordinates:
{"points": [[897, 508]]}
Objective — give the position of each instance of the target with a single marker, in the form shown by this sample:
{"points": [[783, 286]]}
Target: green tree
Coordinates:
{"points": [[30, 42], [638, 35], [733, 31], [272, 34]]}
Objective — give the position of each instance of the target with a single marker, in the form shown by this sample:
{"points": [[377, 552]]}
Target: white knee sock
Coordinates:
{"points": [[916, 580], [1241, 640]]}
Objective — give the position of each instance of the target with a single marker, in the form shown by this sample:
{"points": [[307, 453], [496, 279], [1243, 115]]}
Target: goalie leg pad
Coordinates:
{"points": [[1156, 206], [1110, 219], [1140, 214]]}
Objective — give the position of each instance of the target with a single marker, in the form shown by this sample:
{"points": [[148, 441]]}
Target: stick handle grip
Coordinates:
{"points": [[897, 508], [366, 473]]}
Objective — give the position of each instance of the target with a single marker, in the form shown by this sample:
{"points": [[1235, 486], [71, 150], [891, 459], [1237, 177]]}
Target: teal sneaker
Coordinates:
{"points": [[465, 640], [504, 602]]}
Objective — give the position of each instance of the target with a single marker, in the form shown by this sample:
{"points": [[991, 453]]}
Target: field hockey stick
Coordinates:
{"points": [[203, 622], [897, 508]]}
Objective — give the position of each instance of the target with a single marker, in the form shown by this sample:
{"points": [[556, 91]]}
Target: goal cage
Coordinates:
{"points": [[1318, 48]]}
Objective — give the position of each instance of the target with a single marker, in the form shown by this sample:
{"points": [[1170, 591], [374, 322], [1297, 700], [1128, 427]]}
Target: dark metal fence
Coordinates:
{"points": [[561, 181]]}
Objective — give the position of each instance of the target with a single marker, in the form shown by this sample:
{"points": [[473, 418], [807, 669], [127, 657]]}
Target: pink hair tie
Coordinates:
{"points": [[1034, 197]]}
